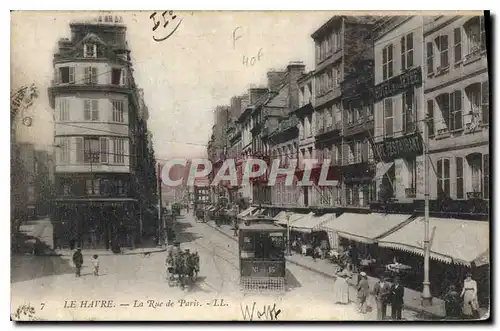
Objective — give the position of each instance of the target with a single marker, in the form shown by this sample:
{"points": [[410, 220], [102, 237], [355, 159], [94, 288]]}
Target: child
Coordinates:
{"points": [[95, 262]]}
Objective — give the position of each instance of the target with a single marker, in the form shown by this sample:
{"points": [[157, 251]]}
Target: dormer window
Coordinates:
{"points": [[90, 50]]}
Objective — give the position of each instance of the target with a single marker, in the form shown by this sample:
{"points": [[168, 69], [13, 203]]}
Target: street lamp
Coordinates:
{"points": [[426, 291]]}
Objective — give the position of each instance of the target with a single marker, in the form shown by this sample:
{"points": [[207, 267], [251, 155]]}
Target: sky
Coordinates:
{"points": [[184, 77]]}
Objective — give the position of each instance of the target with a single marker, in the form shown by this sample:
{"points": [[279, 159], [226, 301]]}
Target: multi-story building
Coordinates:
{"points": [[398, 106], [96, 106], [256, 97], [304, 113], [457, 107], [340, 129]]}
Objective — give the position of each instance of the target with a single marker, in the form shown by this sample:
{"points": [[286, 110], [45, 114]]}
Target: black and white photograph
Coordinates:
{"points": [[176, 165]]}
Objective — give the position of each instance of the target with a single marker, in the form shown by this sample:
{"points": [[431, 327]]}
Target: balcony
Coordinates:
{"points": [[411, 193], [332, 129], [364, 124], [474, 195]]}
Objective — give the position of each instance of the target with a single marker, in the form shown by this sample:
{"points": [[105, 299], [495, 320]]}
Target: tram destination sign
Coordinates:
{"points": [[391, 149], [398, 84]]}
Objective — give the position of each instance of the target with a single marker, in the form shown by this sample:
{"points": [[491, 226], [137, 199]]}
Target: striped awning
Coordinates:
{"points": [[292, 218], [451, 240], [310, 222], [365, 228]]}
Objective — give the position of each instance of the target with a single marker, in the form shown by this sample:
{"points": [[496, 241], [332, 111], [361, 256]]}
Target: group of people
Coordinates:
{"points": [[181, 264], [464, 304]]}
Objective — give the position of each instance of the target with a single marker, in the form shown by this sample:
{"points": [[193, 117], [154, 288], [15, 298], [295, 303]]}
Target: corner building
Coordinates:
{"points": [[95, 104]]}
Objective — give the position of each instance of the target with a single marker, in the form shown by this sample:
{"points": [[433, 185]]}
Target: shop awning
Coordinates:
{"points": [[293, 217], [246, 212], [311, 223], [382, 168], [365, 228], [452, 240]]}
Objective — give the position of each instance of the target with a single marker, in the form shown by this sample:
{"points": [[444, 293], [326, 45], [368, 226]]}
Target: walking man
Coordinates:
{"points": [[397, 294], [382, 291], [78, 261]]}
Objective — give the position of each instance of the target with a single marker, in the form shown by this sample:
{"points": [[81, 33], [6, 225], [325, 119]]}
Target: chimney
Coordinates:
{"points": [[275, 79], [256, 93], [294, 71], [235, 107]]}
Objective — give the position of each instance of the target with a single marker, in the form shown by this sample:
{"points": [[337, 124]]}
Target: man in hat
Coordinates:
{"points": [[382, 291], [363, 292], [78, 261], [396, 297]]}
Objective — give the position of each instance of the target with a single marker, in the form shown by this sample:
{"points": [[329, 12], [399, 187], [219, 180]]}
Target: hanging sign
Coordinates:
{"points": [[398, 84], [391, 149]]}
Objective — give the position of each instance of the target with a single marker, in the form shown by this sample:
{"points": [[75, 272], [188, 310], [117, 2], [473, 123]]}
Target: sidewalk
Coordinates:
{"points": [[412, 298], [103, 252]]}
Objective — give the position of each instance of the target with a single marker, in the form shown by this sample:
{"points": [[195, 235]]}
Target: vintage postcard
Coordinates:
{"points": [[250, 166]]}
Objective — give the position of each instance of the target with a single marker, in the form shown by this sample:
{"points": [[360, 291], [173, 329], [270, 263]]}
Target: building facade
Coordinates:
{"points": [[96, 105], [399, 109], [457, 106]]}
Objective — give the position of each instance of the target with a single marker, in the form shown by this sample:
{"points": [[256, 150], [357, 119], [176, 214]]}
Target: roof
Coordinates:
{"points": [[366, 228], [452, 240]]}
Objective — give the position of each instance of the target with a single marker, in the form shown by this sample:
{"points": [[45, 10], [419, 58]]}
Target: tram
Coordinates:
{"points": [[262, 255]]}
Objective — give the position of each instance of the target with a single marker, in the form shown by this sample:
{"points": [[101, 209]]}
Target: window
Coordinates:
{"points": [[104, 150], [407, 51], [444, 105], [430, 117], [90, 75], [411, 165], [357, 151], [91, 151], [117, 111], [443, 177], [458, 44], [338, 39], [90, 50], [121, 187], [456, 111], [387, 62], [91, 110], [459, 161], [442, 45], [338, 76], [318, 55], [485, 103], [119, 151], [63, 110], [64, 149], [66, 75], [476, 35], [430, 58], [116, 76], [329, 80], [409, 107], [92, 186], [79, 150], [388, 118], [486, 176]]}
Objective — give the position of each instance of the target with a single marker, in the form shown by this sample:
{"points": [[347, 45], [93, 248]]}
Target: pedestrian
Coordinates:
{"points": [[396, 296], [341, 288], [381, 291], [78, 261], [452, 303], [469, 294], [95, 263], [353, 258], [363, 292]]}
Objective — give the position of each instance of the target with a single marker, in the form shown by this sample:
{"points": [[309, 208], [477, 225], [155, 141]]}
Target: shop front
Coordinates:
{"points": [[94, 223], [457, 246]]}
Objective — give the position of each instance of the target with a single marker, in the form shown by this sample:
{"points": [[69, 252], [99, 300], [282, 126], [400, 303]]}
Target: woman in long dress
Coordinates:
{"points": [[469, 295], [341, 289]]}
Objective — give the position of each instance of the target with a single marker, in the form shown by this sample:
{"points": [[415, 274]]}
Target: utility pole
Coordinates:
{"points": [[289, 253], [159, 204], [426, 292]]}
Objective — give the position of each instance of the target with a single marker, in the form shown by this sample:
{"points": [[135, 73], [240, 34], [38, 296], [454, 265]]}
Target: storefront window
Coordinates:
{"points": [[443, 177]]}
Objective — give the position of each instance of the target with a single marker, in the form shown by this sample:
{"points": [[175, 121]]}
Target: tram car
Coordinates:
{"points": [[262, 255]]}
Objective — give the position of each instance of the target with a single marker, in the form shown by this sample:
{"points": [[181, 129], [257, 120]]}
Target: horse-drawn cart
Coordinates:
{"points": [[182, 267]]}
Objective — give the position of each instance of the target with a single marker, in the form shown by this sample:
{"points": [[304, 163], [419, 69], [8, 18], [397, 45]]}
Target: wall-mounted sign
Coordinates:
{"points": [[391, 149], [398, 84]]}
